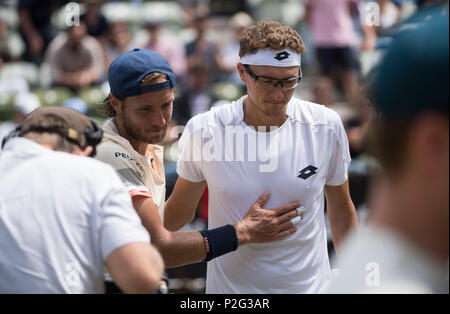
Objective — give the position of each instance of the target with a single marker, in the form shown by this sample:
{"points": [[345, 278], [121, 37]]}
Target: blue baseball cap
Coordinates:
{"points": [[127, 71]]}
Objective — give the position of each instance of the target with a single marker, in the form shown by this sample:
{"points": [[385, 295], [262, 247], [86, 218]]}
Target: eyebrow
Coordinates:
{"points": [[168, 103], [273, 78], [145, 106]]}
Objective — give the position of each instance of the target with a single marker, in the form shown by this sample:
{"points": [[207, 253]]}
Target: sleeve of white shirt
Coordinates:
{"points": [[118, 222], [189, 153], [339, 151]]}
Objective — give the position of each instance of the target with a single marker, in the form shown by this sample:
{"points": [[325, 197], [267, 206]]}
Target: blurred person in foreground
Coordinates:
{"points": [[64, 216], [268, 140], [140, 104], [404, 248]]}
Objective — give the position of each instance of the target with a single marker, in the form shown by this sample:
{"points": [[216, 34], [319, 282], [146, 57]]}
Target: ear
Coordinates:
{"points": [[115, 103], [242, 72]]}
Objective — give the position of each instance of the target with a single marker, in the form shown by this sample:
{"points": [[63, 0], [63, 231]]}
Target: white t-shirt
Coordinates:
{"points": [[61, 216], [381, 261], [5, 128], [294, 162]]}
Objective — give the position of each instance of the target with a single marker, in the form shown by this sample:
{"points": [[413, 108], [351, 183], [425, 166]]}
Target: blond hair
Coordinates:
{"points": [[270, 34], [106, 109]]}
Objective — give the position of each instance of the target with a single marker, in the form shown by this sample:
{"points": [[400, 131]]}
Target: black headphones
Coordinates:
{"points": [[11, 134], [93, 137]]}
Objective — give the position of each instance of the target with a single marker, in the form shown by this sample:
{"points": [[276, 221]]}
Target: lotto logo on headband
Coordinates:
{"points": [[282, 55], [281, 58]]}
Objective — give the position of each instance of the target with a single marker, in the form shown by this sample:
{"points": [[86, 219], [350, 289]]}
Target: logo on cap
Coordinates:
{"points": [[282, 55]]}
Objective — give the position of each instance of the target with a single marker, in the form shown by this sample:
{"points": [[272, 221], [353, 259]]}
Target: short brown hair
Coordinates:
{"points": [[270, 34], [57, 141], [106, 109]]}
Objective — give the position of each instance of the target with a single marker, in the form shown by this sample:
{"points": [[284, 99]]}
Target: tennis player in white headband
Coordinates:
{"points": [[309, 147]]}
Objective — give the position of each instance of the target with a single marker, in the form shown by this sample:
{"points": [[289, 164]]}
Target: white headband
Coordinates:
{"points": [[281, 58]]}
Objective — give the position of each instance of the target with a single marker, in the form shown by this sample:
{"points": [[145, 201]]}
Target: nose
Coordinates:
{"points": [[159, 119], [277, 93]]}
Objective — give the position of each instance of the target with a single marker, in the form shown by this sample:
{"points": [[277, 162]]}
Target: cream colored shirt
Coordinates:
{"points": [[143, 175]]}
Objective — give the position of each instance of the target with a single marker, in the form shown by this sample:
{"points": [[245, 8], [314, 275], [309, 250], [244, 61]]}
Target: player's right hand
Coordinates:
{"points": [[265, 225]]}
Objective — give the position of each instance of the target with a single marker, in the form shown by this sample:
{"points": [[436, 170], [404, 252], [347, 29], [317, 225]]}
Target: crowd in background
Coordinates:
{"points": [[49, 59]]}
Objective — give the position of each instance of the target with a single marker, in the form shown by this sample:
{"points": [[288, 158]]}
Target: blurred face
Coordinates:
{"points": [[120, 34], [199, 80], [145, 117], [262, 94], [76, 34], [201, 25]]}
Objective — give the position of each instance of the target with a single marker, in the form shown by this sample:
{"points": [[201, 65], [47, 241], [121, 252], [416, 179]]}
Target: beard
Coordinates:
{"points": [[142, 134]]}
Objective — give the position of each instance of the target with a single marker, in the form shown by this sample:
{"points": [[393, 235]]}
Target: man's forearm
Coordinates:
{"points": [[341, 226], [180, 248], [181, 206], [177, 215]]}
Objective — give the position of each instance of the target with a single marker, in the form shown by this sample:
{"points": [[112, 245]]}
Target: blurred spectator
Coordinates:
{"points": [[334, 37], [97, 25], [173, 50], [36, 27], [12, 85], [77, 104], [76, 59], [324, 95], [119, 41], [230, 52], [358, 125], [4, 53], [192, 8], [390, 15], [201, 50], [197, 96], [24, 104]]}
